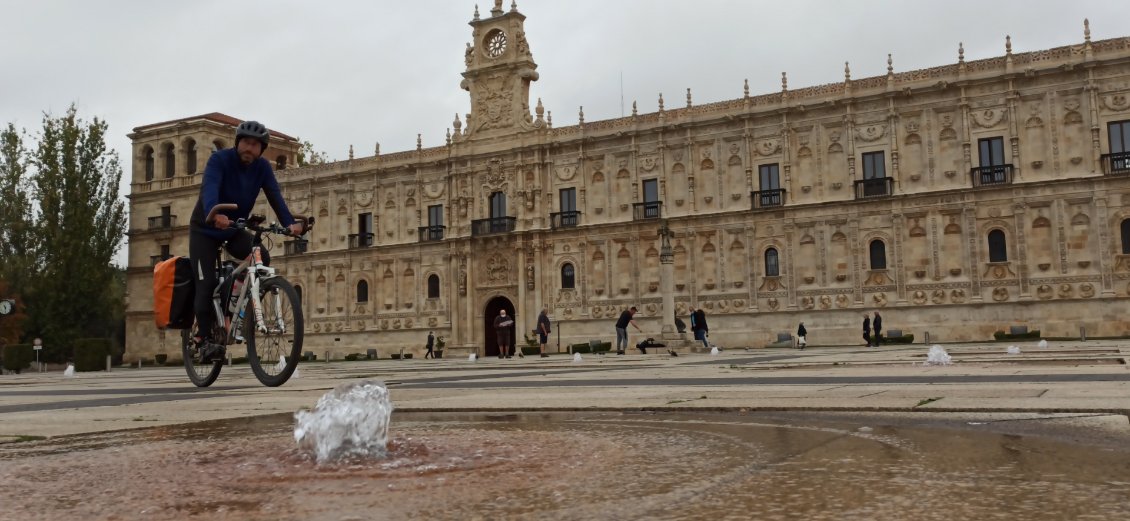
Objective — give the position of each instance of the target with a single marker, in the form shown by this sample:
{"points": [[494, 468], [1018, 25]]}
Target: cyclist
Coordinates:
{"points": [[234, 175]]}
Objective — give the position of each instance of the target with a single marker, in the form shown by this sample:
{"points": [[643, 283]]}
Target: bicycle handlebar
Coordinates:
{"points": [[253, 223]]}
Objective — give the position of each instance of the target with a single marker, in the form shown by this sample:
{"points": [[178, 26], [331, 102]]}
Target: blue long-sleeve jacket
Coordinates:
{"points": [[227, 180]]}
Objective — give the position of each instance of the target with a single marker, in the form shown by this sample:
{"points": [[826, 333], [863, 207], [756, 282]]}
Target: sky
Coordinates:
{"points": [[358, 72]]}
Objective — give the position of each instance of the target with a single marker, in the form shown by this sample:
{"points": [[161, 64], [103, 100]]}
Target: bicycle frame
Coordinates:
{"points": [[253, 271]]}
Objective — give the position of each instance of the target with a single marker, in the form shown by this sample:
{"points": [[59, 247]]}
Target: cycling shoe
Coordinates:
{"points": [[210, 352]]}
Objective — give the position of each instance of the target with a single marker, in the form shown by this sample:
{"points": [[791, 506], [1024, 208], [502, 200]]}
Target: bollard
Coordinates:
{"points": [[229, 358], [108, 362], [926, 338], [327, 357], [139, 363], [1082, 333]]}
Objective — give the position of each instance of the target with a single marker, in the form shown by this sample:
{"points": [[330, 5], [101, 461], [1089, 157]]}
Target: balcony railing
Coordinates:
{"points": [[875, 187], [768, 198], [431, 233], [162, 222], [154, 259], [648, 210], [991, 175], [360, 240], [564, 219], [493, 225], [1116, 163], [295, 247]]}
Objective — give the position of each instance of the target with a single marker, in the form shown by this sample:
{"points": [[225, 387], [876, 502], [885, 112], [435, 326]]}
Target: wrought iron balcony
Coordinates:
{"points": [[493, 225], [648, 210], [991, 175], [162, 222], [431, 233], [564, 219], [1116, 163], [875, 187], [360, 240], [295, 247], [768, 198]]}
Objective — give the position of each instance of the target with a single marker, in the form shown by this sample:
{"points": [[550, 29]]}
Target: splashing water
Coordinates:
{"points": [[576, 358], [351, 420], [1043, 344], [714, 351], [69, 372], [1013, 350], [938, 356], [282, 365]]}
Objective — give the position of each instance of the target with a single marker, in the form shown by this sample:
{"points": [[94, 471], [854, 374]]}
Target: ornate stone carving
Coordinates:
{"points": [[880, 299], [1045, 292], [939, 296], [566, 173], [1066, 290], [773, 304], [825, 301], [919, 297], [807, 302], [842, 301], [1086, 290], [1117, 102], [988, 117], [870, 132], [768, 147], [957, 296], [1000, 294]]}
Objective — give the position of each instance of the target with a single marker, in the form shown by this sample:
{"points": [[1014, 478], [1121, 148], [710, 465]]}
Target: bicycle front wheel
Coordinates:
{"points": [[274, 353], [201, 373]]}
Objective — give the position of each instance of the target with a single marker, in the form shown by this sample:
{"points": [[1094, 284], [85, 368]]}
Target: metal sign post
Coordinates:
{"points": [[37, 345]]}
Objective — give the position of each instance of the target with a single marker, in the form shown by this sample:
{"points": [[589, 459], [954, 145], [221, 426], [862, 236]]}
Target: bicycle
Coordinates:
{"points": [[275, 313]]}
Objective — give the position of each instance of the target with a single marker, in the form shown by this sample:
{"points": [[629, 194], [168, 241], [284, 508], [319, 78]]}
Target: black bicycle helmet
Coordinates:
{"points": [[253, 129]]}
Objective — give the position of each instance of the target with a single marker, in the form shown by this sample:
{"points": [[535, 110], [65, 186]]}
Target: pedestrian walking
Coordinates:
{"points": [[877, 323], [622, 329], [431, 345], [543, 331], [699, 327], [503, 325], [867, 329], [801, 336]]}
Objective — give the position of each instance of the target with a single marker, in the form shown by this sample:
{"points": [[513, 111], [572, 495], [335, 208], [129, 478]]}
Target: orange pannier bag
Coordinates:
{"points": [[173, 292]]}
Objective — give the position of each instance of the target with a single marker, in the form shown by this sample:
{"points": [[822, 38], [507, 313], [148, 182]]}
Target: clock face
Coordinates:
{"points": [[5, 307], [495, 43]]}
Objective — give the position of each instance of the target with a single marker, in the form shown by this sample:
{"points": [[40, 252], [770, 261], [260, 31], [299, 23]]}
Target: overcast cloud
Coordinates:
{"points": [[338, 73]]}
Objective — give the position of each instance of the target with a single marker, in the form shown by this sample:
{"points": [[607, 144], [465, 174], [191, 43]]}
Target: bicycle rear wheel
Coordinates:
{"points": [[201, 373], [283, 339]]}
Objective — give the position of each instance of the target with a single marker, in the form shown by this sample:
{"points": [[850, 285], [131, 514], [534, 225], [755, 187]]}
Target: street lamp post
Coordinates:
{"points": [[37, 345]]}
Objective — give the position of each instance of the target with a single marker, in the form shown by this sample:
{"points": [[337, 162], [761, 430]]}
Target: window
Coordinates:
{"points": [[874, 165], [568, 200], [770, 177], [568, 279], [998, 251], [190, 157], [498, 204], [1126, 237], [650, 190], [878, 255], [217, 145], [1119, 132], [170, 162], [435, 215], [165, 252], [280, 163], [433, 286], [362, 291], [991, 151], [365, 223], [772, 265], [148, 153]]}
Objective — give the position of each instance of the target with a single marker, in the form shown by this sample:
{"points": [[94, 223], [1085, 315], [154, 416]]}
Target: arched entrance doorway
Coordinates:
{"points": [[490, 340]]}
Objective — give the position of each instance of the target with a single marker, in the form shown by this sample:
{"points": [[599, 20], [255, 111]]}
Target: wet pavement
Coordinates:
{"points": [[827, 433]]}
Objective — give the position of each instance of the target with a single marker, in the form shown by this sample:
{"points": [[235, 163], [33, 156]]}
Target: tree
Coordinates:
{"points": [[80, 227], [308, 156], [17, 239]]}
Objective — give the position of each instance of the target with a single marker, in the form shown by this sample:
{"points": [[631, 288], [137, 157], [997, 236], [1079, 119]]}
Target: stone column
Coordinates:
{"points": [[667, 283]]}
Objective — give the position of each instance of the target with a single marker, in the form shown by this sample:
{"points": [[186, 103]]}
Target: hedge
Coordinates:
{"points": [[91, 353], [1001, 336], [18, 357], [904, 339]]}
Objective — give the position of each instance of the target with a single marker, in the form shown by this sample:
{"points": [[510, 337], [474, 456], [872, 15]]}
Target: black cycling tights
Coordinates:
{"points": [[202, 250]]}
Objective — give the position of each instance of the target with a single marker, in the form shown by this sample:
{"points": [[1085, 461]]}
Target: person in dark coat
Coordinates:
{"points": [[543, 332], [700, 328], [877, 323], [430, 346], [867, 329], [622, 329], [801, 336]]}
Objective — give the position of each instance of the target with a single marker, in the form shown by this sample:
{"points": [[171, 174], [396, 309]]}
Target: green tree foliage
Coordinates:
{"points": [[308, 156], [80, 225], [17, 238]]}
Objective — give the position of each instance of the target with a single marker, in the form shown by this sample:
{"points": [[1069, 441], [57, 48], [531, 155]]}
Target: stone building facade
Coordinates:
{"points": [[957, 200]]}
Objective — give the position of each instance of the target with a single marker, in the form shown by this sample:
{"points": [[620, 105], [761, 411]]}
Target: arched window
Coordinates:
{"points": [[217, 145], [568, 278], [772, 265], [362, 291], [280, 162], [998, 250], [878, 255], [1126, 237], [298, 290], [170, 162], [149, 167], [433, 286], [190, 157]]}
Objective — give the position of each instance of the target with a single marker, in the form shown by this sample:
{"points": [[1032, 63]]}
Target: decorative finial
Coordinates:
{"points": [[634, 112], [847, 72], [476, 11], [497, 11], [456, 123], [351, 152], [581, 115], [377, 149], [540, 109], [513, 6], [1086, 30], [467, 118], [784, 82], [419, 142], [1008, 45], [448, 136], [745, 88], [960, 52], [688, 97], [660, 102], [890, 65], [549, 118]]}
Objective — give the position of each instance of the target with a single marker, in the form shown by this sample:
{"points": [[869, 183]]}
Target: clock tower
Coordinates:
{"points": [[500, 68]]}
